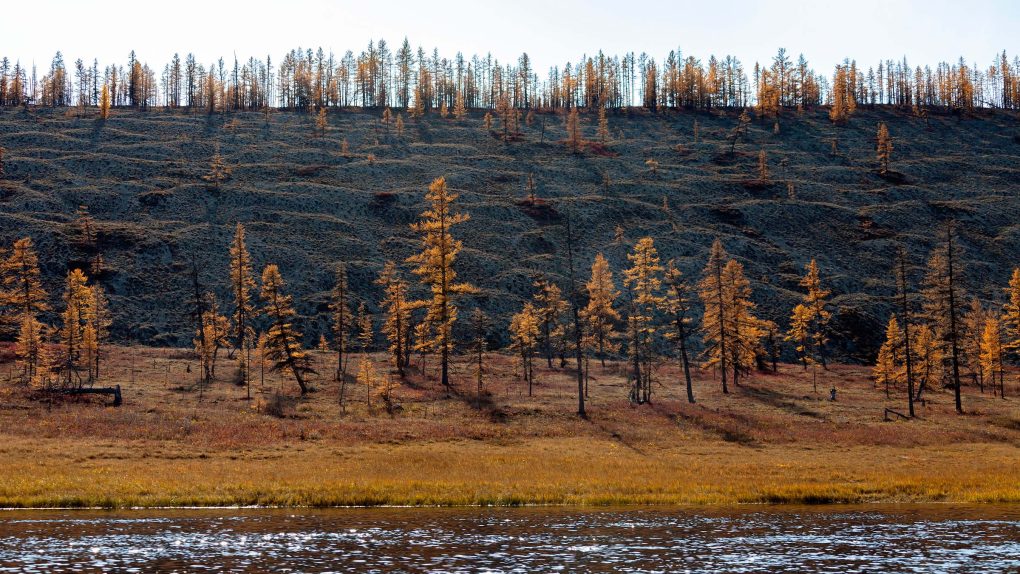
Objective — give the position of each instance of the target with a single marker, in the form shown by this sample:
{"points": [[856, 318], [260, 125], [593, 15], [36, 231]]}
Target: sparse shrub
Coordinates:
{"points": [[2, 150], [371, 158], [653, 166], [883, 149], [275, 405], [345, 148], [488, 120]]}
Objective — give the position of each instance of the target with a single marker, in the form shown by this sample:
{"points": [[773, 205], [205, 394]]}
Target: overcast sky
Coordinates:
{"points": [[550, 31]]}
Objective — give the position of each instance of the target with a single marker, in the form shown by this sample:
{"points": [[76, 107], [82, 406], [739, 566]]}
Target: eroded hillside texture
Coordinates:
{"points": [[307, 206]]}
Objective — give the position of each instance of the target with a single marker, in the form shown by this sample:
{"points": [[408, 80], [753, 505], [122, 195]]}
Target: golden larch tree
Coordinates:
{"points": [[343, 322], [1011, 314], [550, 307], [883, 148], [397, 315], [242, 284], [434, 265], [77, 299], [991, 354], [599, 315], [644, 282], [715, 325], [887, 370], [524, 333], [745, 343], [283, 341], [104, 103]]}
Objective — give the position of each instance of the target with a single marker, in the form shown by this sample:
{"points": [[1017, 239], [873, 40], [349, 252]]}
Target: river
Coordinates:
{"points": [[932, 538]]}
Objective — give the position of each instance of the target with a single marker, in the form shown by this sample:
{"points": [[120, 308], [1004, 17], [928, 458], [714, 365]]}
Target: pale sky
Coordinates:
{"points": [[551, 31]]}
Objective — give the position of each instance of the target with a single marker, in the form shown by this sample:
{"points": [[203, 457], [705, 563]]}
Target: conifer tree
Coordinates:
{"points": [[524, 333], [397, 310], [459, 111], [22, 280], [321, 123], [746, 328], [991, 353], [2, 150], [283, 341], [887, 370], [599, 315], [98, 321], [815, 312], [32, 356], [908, 351], [487, 121], [644, 281], [369, 378], [972, 327], [345, 148], [763, 167], [435, 268], [479, 345], [1011, 314], [574, 130], [219, 172], [104, 103], [716, 323], [242, 283], [943, 297], [883, 150], [343, 323], [77, 298], [400, 125], [550, 307], [603, 131], [678, 305], [800, 334], [366, 331]]}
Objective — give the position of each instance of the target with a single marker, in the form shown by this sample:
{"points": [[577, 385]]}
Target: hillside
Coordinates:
{"points": [[307, 206]]}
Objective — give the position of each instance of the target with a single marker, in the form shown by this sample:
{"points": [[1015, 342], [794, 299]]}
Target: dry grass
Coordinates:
{"points": [[772, 440]]}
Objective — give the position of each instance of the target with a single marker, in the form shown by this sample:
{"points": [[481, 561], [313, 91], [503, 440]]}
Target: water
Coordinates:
{"points": [[827, 539]]}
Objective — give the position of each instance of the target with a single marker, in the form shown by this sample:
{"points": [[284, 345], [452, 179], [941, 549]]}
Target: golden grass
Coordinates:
{"points": [[771, 441], [541, 471]]}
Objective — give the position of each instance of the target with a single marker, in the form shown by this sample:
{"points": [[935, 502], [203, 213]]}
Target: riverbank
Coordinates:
{"points": [[772, 440]]}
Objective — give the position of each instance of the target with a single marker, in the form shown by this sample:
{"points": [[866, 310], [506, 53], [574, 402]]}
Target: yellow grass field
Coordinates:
{"points": [[772, 440]]}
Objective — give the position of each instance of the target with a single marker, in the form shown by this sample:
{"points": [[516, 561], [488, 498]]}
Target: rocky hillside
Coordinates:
{"points": [[306, 205]]}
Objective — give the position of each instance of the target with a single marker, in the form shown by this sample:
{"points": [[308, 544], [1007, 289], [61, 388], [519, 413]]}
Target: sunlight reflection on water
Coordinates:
{"points": [[859, 539]]}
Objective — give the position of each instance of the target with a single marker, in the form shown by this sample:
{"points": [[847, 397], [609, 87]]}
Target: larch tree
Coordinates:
{"points": [[887, 371], [904, 302], [1011, 314], [21, 281], [746, 328], [603, 129], [574, 139], [99, 320], [883, 148], [321, 123], [2, 173], [479, 345], [283, 341], [366, 330], [716, 324], [972, 325], [678, 305], [800, 334], [817, 314], [77, 299], [343, 323], [31, 354], [459, 110], [397, 312], [763, 167], [600, 315], [550, 307], [219, 172], [644, 282], [991, 354], [242, 284], [435, 268], [104, 103], [524, 333], [943, 299]]}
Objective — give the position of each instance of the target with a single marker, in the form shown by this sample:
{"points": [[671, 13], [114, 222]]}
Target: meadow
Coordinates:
{"points": [[772, 440]]}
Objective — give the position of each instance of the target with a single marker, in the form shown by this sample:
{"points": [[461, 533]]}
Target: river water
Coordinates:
{"points": [[526, 540]]}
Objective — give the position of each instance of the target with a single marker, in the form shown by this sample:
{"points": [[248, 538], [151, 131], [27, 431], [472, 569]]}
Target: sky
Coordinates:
{"points": [[550, 31]]}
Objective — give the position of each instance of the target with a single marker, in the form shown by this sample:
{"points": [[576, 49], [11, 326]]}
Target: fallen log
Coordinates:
{"points": [[114, 391], [899, 414]]}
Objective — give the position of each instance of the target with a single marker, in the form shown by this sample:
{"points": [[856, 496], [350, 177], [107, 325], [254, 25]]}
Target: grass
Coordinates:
{"points": [[772, 441]]}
